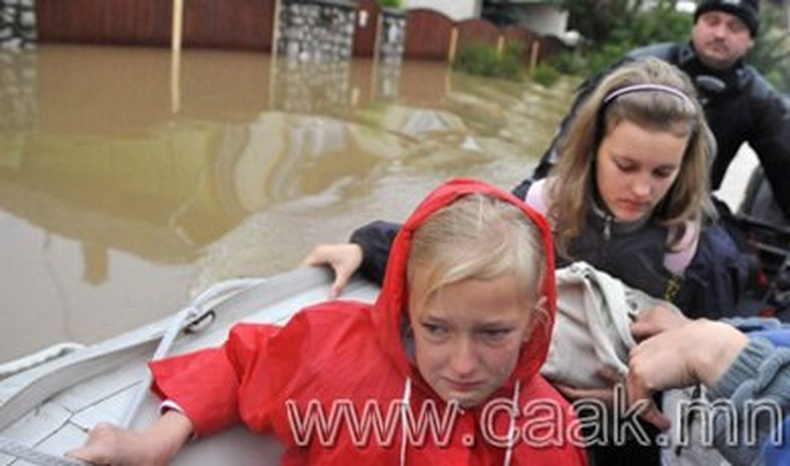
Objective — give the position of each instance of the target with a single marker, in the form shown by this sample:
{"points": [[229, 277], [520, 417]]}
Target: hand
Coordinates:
{"points": [[114, 446], [608, 374], [699, 351], [344, 259], [656, 320]]}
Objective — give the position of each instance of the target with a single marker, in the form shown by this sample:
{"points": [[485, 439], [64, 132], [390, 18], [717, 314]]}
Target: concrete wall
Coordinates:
{"points": [[455, 9]]}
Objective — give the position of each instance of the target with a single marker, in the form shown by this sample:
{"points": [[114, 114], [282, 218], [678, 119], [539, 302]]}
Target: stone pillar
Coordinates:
{"points": [[392, 36], [311, 87], [314, 49], [391, 43], [316, 30], [17, 24]]}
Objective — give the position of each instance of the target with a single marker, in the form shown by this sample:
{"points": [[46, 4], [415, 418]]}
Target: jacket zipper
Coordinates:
{"points": [[607, 235], [607, 227]]}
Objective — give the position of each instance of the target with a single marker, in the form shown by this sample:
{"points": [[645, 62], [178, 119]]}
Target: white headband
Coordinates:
{"points": [[647, 87]]}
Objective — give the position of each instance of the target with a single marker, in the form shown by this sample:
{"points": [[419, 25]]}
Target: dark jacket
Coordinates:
{"points": [[711, 286], [740, 106], [712, 283]]}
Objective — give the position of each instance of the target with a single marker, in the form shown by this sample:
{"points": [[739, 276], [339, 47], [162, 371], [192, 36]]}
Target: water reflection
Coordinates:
{"points": [[114, 208]]}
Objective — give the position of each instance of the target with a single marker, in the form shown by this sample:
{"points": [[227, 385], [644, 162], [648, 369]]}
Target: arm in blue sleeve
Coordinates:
{"points": [[760, 374]]}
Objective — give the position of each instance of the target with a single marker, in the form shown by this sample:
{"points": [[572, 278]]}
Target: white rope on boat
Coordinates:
{"points": [[22, 364], [177, 324], [27, 453], [183, 319]]}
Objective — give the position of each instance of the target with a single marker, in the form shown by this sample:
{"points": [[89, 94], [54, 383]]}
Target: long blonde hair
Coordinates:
{"points": [[687, 200]]}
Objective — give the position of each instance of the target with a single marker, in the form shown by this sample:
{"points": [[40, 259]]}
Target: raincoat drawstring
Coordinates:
{"points": [[512, 434], [405, 420]]}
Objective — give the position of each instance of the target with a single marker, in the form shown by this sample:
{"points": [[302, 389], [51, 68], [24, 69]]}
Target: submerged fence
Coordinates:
{"points": [[256, 25]]}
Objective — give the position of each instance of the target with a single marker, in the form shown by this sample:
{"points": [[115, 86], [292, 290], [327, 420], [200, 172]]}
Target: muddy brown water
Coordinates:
{"points": [[130, 181]]}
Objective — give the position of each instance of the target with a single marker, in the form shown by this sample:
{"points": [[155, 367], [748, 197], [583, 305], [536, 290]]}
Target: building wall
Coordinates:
{"points": [[455, 9], [542, 18]]}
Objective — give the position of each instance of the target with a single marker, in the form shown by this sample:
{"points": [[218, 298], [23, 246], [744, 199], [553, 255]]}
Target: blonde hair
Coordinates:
{"points": [[477, 237], [662, 107]]}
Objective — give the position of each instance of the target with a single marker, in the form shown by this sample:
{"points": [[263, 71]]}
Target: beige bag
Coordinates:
{"points": [[592, 328], [594, 313]]}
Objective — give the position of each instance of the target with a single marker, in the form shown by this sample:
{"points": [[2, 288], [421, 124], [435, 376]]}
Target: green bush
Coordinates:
{"points": [[545, 75], [771, 52], [390, 3], [617, 34], [511, 63], [615, 21], [483, 60], [478, 59], [624, 27]]}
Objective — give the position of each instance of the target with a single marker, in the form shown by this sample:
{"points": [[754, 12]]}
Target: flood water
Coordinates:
{"points": [[130, 181]]}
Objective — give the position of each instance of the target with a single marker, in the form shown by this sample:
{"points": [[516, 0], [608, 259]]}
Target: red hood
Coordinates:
{"points": [[392, 303]]}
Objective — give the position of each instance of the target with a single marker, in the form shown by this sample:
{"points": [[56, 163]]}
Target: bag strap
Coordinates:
{"points": [[537, 198], [678, 261]]}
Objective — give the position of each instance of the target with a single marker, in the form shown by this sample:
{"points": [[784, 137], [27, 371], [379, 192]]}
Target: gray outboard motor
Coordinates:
{"points": [[768, 230]]}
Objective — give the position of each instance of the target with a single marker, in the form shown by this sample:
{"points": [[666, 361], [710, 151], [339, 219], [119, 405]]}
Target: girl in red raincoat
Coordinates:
{"points": [[442, 369]]}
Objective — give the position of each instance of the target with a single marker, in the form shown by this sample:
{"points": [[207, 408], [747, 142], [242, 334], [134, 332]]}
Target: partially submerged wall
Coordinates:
{"points": [[306, 30], [17, 24], [319, 30]]}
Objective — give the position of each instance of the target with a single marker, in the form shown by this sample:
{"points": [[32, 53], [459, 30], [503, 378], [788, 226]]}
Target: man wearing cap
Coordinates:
{"points": [[741, 106]]}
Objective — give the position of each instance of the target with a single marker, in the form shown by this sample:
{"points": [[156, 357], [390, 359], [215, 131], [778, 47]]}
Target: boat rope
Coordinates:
{"points": [[38, 358], [31, 455], [193, 318], [192, 314]]}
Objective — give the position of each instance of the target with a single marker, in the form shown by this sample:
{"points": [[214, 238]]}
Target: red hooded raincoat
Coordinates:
{"points": [[347, 361]]}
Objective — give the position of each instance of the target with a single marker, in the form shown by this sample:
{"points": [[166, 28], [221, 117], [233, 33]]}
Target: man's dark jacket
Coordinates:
{"points": [[740, 106]]}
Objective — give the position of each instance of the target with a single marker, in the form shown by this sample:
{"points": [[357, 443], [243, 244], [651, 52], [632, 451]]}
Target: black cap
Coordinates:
{"points": [[747, 10]]}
